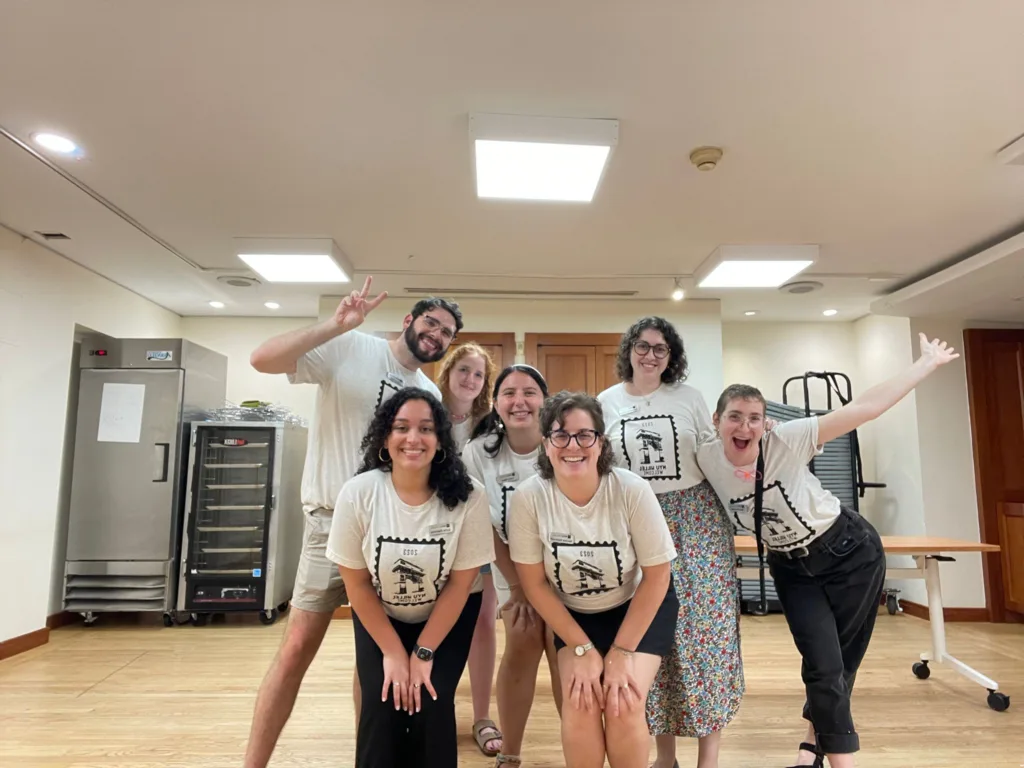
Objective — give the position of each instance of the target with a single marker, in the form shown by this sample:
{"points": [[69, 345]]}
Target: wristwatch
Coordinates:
{"points": [[423, 654], [579, 650]]}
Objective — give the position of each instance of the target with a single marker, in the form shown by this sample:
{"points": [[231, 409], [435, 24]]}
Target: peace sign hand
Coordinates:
{"points": [[355, 307], [936, 352]]}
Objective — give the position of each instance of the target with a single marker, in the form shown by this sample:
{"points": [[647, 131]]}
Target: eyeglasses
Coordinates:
{"points": [[754, 420], [584, 438], [434, 325], [642, 348]]}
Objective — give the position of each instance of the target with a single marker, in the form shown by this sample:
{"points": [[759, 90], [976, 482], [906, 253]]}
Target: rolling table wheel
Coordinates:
{"points": [[892, 604], [282, 607], [168, 620], [268, 617], [922, 670], [199, 619], [1000, 702]]}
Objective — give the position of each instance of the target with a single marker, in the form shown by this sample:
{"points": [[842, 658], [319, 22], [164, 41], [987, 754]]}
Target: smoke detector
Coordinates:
{"points": [[238, 281], [801, 286], [706, 158]]}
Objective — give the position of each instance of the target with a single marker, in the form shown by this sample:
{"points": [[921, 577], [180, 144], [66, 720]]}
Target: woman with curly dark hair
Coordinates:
{"points": [[409, 534], [592, 553], [654, 420]]}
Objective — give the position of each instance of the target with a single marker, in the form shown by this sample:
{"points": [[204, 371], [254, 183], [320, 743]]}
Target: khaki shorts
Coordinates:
{"points": [[318, 585]]}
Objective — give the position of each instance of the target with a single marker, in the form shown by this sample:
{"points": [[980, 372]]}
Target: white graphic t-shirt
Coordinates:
{"points": [[655, 435], [409, 551], [795, 508], [592, 555], [355, 372], [500, 475]]}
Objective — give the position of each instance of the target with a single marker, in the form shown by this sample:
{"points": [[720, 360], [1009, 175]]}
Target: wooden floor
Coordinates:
{"points": [[149, 697]]}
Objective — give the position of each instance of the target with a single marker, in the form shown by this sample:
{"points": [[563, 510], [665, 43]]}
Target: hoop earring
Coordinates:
{"points": [[442, 461], [382, 459]]}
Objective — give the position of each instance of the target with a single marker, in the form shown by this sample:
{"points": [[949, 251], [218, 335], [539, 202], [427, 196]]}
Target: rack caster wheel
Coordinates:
{"points": [[90, 618], [282, 607], [892, 604], [1000, 702], [168, 620], [199, 619], [922, 671], [268, 617]]}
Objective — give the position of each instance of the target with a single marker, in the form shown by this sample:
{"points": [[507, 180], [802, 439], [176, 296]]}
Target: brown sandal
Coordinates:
{"points": [[486, 725]]}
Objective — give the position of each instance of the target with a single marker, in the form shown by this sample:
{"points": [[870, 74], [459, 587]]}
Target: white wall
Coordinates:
{"points": [[236, 338], [42, 297], [698, 322], [764, 355]]}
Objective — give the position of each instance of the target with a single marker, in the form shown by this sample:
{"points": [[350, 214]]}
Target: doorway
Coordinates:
{"points": [[574, 361]]}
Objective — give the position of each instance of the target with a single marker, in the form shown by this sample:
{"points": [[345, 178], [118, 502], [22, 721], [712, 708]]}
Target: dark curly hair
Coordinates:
{"points": [[425, 305], [677, 368], [448, 477], [555, 410], [491, 424]]}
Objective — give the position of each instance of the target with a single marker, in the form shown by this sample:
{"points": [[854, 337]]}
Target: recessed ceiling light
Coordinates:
{"points": [[750, 312], [55, 143], [271, 305], [752, 274], [217, 304], [520, 157], [295, 267], [830, 312], [677, 293]]}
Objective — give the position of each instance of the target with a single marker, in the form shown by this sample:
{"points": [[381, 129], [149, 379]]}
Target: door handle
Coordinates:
{"points": [[161, 454]]}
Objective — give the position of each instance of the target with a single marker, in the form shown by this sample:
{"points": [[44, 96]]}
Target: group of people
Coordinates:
{"points": [[599, 529]]}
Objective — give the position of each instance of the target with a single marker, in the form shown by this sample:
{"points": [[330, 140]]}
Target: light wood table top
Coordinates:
{"points": [[898, 545]]}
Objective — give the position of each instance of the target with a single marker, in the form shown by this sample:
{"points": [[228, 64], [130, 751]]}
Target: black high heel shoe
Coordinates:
{"points": [[819, 757]]}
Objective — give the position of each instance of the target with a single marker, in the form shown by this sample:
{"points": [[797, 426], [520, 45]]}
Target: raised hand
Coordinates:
{"points": [[356, 306], [936, 352]]}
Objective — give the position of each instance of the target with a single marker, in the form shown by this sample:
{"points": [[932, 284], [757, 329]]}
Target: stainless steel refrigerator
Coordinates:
{"points": [[137, 399]]}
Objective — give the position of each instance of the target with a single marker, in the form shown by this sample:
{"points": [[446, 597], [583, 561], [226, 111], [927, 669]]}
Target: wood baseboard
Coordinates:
{"points": [[23, 643], [949, 614], [62, 619], [342, 612]]}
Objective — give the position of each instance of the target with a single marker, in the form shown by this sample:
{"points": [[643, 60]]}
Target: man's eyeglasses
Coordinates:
{"points": [[642, 348], [584, 438], [434, 325]]}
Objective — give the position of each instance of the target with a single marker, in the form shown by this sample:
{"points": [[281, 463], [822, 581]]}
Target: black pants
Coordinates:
{"points": [[389, 738], [830, 598]]}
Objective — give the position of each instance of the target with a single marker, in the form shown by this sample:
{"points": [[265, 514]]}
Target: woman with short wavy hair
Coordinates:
{"points": [[653, 421], [409, 534], [592, 553]]}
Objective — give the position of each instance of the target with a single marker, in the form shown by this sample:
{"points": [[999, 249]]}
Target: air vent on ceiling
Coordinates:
{"points": [[519, 293], [52, 235], [802, 286], [238, 281]]}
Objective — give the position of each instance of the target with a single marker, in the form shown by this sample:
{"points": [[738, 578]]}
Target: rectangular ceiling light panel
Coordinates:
{"points": [[754, 266], [295, 260], [540, 158]]}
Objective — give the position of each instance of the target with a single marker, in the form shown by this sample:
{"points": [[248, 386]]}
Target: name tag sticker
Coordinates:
{"points": [[441, 528], [508, 477], [628, 409], [395, 379], [561, 538]]}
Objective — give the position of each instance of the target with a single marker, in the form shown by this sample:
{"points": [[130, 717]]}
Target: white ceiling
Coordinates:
{"points": [[869, 128]]}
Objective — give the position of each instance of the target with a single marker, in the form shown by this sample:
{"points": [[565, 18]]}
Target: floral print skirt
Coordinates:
{"points": [[700, 683]]}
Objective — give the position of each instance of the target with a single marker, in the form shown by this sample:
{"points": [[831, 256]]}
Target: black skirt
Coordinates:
{"points": [[602, 627]]}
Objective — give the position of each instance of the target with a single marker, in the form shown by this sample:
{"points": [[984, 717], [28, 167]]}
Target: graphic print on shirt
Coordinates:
{"points": [[387, 389], [587, 567], [650, 445], [505, 491], [407, 571], [778, 530]]}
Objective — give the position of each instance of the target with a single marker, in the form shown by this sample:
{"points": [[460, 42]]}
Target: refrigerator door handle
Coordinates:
{"points": [[161, 454]]}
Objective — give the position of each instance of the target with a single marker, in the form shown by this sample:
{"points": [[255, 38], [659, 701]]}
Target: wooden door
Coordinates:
{"points": [[574, 361], [500, 346], [995, 386]]}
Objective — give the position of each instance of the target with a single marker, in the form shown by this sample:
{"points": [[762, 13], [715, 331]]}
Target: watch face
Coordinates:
{"points": [[580, 650], [423, 654]]}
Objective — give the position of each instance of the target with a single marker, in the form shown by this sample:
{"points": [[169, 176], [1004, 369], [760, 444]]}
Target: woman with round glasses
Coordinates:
{"points": [[653, 420], [592, 552], [502, 455]]}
